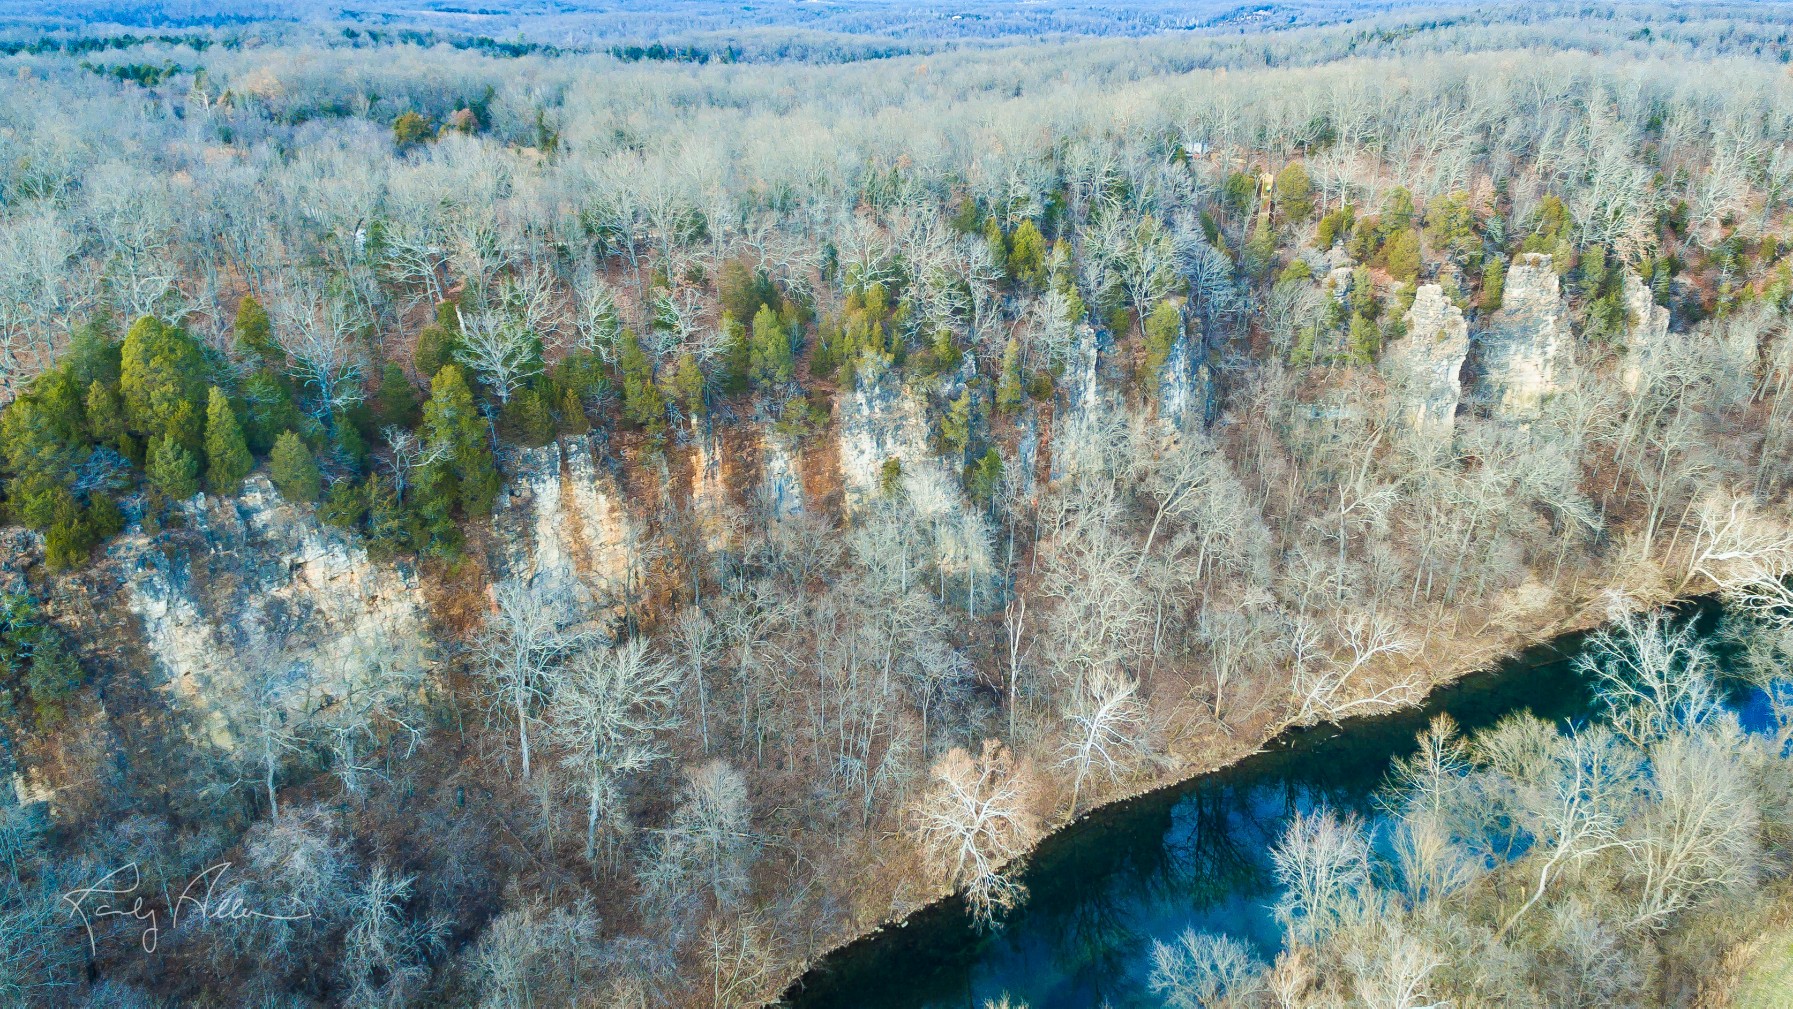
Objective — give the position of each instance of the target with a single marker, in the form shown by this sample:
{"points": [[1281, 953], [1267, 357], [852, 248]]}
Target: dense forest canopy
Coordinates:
{"points": [[599, 507]]}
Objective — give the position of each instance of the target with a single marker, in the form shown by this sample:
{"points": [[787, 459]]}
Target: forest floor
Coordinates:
{"points": [[1760, 972]]}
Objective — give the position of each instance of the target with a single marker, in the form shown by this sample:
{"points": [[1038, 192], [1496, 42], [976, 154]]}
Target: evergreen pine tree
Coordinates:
{"points": [[255, 333], [772, 362], [643, 406], [464, 475], [737, 357], [54, 675], [573, 419], [395, 404], [68, 544], [1293, 192], [92, 354], [999, 246], [431, 516], [162, 380], [391, 527], [1027, 255], [42, 432], [227, 455], [1402, 254], [1494, 282], [1365, 340], [345, 505], [438, 341], [1162, 328], [173, 469], [106, 420], [688, 385], [984, 477], [269, 408], [955, 427], [529, 417], [1009, 392], [293, 470], [1260, 249]]}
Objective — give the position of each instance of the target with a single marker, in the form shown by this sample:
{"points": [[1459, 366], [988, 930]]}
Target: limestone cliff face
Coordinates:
{"points": [[1424, 366], [1524, 353], [711, 502], [1082, 380], [1647, 331], [881, 420], [561, 527], [1081, 403], [258, 599], [1185, 387], [781, 481]]}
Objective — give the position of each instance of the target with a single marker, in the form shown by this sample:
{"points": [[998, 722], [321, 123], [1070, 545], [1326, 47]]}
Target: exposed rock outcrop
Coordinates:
{"points": [[713, 504], [1645, 332], [1083, 401], [1524, 352], [1082, 380], [1425, 365], [781, 481], [265, 590], [1185, 386], [562, 527], [880, 421]]}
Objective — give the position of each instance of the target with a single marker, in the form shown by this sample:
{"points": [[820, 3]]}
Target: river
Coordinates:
{"points": [[1195, 855]]}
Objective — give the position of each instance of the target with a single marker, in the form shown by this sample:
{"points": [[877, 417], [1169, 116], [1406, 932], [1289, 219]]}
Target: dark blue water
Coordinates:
{"points": [[1193, 856]]}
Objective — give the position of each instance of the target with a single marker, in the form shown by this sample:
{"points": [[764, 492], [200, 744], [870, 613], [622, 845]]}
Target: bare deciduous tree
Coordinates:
{"points": [[608, 705], [1327, 690], [1104, 730], [710, 841], [321, 334], [500, 347], [1202, 969], [976, 819], [521, 643], [1323, 864]]}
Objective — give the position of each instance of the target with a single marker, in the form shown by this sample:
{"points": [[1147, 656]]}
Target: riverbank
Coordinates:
{"points": [[1757, 974], [1443, 667]]}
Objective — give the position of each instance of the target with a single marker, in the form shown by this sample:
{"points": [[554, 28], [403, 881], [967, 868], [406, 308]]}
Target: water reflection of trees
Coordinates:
{"points": [[1219, 848], [1097, 938], [1212, 847]]}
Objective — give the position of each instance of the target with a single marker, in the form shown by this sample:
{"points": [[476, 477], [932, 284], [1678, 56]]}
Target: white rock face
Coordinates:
{"points": [[563, 528], [781, 481], [880, 420], [1082, 383], [1525, 351], [1425, 365], [1647, 331], [1185, 386], [1084, 403], [1027, 453], [270, 591]]}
